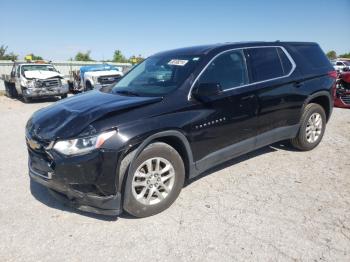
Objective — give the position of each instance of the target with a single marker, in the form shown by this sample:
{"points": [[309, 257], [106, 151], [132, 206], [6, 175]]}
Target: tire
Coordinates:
{"points": [[7, 90], [64, 96], [26, 99], [88, 86], [303, 141], [173, 180], [11, 91], [71, 87]]}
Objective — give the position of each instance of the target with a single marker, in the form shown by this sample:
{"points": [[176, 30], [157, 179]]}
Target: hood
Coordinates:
{"points": [[69, 117], [42, 74], [104, 73]]}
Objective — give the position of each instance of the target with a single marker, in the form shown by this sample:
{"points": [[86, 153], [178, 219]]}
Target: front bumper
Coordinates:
{"points": [[98, 86], [87, 183], [44, 92], [103, 205]]}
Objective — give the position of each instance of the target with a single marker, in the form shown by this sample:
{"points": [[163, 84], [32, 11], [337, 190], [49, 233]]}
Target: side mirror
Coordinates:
{"points": [[206, 91]]}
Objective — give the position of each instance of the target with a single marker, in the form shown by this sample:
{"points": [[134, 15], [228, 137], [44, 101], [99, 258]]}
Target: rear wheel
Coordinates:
{"points": [[155, 181], [312, 128]]}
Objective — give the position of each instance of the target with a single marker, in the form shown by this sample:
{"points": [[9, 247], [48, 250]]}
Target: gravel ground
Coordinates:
{"points": [[274, 204]]}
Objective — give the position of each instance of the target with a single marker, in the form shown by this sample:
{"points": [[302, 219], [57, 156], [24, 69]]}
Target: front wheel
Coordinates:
{"points": [[155, 180], [26, 99], [64, 96], [312, 128], [88, 86]]}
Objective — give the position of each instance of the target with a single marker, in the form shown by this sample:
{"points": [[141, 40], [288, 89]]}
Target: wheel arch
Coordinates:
{"points": [[324, 99], [174, 138]]}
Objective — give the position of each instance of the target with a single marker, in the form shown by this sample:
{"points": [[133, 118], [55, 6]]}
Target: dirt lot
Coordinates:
{"points": [[272, 204]]}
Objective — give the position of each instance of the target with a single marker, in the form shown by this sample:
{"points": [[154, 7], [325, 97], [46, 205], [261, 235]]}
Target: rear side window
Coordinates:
{"points": [[229, 70], [266, 63], [314, 55]]}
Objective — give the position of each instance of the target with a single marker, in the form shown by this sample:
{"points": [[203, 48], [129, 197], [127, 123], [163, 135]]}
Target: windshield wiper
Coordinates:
{"points": [[127, 92]]}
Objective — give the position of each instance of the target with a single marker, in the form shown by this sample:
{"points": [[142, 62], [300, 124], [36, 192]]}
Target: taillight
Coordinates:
{"points": [[333, 74]]}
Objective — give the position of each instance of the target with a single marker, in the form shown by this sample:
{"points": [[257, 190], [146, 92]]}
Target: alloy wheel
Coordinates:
{"points": [[314, 128], [153, 181]]}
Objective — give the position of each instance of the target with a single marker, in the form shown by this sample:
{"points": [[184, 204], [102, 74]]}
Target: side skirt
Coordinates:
{"points": [[243, 147]]}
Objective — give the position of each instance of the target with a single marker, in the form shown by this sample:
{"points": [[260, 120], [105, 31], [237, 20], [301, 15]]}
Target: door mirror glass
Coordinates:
{"points": [[205, 91]]}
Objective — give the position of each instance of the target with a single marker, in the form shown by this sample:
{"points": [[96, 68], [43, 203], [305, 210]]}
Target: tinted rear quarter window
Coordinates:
{"points": [[310, 58]]}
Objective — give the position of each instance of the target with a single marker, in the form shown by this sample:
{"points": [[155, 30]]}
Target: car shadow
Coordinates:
{"points": [[283, 145], [42, 194], [41, 100]]}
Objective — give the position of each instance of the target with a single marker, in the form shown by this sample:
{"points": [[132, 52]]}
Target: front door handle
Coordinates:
{"points": [[298, 84]]}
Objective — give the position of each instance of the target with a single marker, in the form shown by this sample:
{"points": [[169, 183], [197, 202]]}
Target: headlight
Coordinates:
{"points": [[31, 83], [95, 79], [82, 145], [38, 83]]}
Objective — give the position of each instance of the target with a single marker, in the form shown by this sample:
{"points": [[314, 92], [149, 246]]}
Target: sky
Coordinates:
{"points": [[58, 29]]}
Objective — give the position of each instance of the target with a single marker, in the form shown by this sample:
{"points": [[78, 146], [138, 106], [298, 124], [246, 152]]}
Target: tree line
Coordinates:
{"points": [[80, 56], [333, 55], [117, 56]]}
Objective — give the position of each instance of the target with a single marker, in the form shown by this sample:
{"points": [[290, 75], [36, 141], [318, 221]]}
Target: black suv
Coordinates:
{"points": [[131, 146]]}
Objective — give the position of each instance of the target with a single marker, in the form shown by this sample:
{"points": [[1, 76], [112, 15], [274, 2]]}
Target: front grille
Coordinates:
{"points": [[54, 82], [107, 80], [345, 99]]}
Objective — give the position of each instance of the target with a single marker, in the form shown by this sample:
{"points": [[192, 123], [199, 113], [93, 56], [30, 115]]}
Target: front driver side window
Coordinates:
{"points": [[228, 69]]}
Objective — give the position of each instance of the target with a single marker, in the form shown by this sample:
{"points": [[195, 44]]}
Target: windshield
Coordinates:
{"points": [[26, 68], [157, 76]]}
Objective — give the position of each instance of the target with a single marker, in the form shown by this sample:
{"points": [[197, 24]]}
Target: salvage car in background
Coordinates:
{"points": [[35, 80], [342, 92], [95, 77], [341, 65]]}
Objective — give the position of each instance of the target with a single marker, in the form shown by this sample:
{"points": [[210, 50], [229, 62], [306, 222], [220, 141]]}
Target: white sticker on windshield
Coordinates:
{"points": [[177, 62]]}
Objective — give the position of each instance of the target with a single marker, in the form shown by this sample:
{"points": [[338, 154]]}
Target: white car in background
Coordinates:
{"points": [[35, 80], [341, 65], [97, 76], [98, 79]]}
